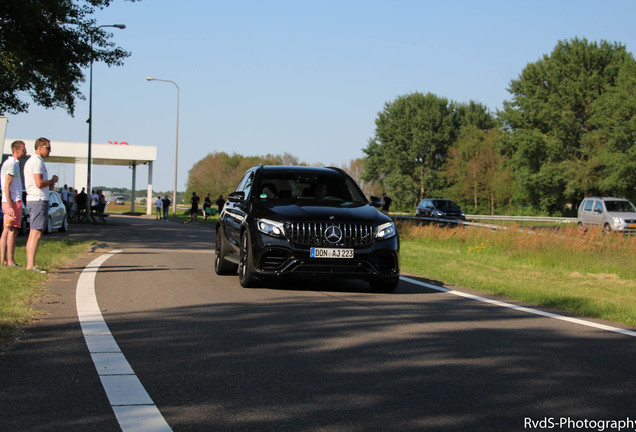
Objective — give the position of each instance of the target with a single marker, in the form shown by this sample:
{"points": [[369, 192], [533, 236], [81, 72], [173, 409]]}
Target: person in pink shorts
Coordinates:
{"points": [[11, 202]]}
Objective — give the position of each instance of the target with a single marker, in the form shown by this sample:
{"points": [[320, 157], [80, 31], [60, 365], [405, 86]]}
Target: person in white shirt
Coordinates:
{"points": [[38, 185], [94, 201], [158, 207], [11, 202], [64, 196]]}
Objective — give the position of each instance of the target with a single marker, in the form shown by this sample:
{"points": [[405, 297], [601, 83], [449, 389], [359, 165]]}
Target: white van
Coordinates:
{"points": [[612, 214]]}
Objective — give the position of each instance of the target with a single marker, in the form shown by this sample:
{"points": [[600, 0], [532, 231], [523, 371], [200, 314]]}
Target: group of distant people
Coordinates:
{"points": [[207, 206], [162, 208], [76, 201]]}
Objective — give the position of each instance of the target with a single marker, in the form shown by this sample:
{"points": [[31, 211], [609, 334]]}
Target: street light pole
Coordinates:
{"points": [[176, 147], [90, 118]]}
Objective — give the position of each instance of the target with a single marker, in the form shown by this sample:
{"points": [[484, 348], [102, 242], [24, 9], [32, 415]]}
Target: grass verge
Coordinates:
{"points": [[18, 287], [590, 275]]}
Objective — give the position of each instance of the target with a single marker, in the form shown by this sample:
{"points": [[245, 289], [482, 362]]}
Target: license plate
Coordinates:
{"points": [[330, 253], [631, 225]]}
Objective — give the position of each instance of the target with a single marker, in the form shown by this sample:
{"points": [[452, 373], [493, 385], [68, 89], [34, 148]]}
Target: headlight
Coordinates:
{"points": [[270, 227], [438, 213], [385, 231], [619, 223]]}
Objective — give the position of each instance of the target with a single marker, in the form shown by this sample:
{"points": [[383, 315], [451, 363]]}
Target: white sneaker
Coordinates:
{"points": [[35, 269]]}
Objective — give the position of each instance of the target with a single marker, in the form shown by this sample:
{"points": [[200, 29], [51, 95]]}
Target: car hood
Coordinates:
{"points": [[293, 212], [622, 215]]}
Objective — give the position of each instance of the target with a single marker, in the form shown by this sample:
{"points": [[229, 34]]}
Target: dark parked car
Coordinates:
{"points": [[439, 208], [305, 222]]}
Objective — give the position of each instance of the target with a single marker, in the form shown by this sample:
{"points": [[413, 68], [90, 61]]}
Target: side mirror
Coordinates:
{"points": [[236, 197], [376, 201]]}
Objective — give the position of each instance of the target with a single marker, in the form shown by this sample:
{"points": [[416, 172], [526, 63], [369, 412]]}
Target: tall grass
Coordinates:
{"points": [[592, 274]]}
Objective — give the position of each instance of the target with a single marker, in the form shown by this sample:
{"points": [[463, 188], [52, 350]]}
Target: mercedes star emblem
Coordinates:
{"points": [[333, 234]]}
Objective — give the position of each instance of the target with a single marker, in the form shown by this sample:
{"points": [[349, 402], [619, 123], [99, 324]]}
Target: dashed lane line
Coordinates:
{"points": [[522, 308], [133, 407]]}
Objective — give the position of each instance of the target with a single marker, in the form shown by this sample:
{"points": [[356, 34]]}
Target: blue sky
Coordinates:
{"points": [[303, 77]]}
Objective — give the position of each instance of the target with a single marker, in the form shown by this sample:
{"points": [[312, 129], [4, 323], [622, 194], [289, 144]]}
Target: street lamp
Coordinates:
{"points": [[90, 117], [176, 147]]}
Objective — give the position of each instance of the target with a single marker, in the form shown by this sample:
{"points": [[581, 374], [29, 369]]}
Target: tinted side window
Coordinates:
{"points": [[247, 185], [54, 199], [598, 206], [242, 182], [588, 205]]}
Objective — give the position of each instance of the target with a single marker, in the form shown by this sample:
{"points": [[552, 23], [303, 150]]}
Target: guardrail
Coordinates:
{"points": [[470, 218], [523, 218]]}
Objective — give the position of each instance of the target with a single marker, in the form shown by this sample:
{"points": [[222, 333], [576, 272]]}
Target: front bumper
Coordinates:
{"points": [[276, 257]]}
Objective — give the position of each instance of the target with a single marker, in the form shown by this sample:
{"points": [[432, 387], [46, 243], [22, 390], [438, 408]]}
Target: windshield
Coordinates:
{"points": [[445, 204], [309, 187], [620, 206]]}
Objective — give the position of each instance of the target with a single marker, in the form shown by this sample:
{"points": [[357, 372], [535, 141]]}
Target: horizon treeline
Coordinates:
{"points": [[569, 131]]}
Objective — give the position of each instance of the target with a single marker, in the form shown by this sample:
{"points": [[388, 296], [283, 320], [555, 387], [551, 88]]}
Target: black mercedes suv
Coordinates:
{"points": [[305, 222]]}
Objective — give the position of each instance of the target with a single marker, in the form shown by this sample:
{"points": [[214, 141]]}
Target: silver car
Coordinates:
{"points": [[612, 214], [57, 220]]}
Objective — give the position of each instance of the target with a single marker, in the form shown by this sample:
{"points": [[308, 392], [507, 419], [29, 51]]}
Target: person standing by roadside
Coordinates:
{"points": [[64, 196], [194, 210], [69, 202], [72, 202], [220, 203], [11, 202], [38, 185], [158, 207], [207, 207], [166, 207]]}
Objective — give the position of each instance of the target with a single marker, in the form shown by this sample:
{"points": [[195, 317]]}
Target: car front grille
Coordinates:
{"points": [[315, 234]]}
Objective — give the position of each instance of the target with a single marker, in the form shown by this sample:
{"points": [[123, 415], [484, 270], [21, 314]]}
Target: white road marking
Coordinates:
{"points": [[522, 308], [133, 407]]}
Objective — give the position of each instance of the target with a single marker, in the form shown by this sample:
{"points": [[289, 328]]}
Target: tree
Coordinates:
{"points": [[614, 116], [219, 173], [44, 46], [355, 168], [571, 113], [408, 151], [475, 170], [413, 134], [475, 114]]}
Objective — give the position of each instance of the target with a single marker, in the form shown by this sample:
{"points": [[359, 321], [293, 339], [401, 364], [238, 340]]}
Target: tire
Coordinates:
{"points": [[47, 228], [247, 277], [606, 229], [64, 226], [221, 265], [385, 285], [581, 228]]}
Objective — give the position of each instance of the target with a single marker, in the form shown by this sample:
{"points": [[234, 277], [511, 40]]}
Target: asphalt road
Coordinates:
{"points": [[304, 355]]}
